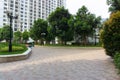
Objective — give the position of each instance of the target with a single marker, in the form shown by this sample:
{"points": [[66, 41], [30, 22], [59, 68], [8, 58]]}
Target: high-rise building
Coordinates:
{"points": [[28, 11]]}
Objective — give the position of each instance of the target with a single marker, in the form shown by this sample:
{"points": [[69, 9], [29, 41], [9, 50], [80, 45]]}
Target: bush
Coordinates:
{"points": [[110, 35], [117, 60]]}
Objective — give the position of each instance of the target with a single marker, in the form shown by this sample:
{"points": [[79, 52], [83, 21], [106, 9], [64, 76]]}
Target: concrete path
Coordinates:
{"points": [[49, 63]]}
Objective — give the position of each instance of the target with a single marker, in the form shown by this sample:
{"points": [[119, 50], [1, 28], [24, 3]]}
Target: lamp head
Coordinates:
{"points": [[9, 13]]}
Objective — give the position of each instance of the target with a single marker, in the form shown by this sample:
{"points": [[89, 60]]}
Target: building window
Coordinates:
{"points": [[21, 15], [5, 4], [21, 8], [15, 29], [4, 19], [4, 23], [11, 1], [25, 26]]}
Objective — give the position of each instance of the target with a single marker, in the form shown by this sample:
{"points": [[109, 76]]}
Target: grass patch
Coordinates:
{"points": [[16, 49], [61, 45]]}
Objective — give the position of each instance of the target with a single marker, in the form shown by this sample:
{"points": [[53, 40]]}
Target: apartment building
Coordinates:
{"points": [[27, 11]]}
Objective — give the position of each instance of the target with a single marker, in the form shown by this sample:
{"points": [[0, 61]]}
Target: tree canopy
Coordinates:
{"points": [[25, 36], [114, 5], [17, 36], [6, 32], [59, 22], [39, 27], [85, 22]]}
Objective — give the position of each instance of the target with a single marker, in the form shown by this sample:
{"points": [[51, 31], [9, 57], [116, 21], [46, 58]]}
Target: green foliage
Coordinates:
{"points": [[117, 61], [25, 36], [1, 34], [50, 35], [110, 35], [59, 22], [40, 26], [6, 32], [17, 36], [114, 5], [85, 24]]}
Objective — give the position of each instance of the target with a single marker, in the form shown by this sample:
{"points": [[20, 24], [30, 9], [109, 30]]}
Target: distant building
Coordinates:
{"points": [[28, 11]]}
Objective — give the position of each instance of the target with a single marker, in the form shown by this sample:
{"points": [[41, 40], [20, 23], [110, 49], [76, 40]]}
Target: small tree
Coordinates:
{"points": [[39, 27], [6, 32], [50, 36], [17, 36], [25, 36], [59, 22], [110, 34], [1, 34], [114, 5], [83, 27]]}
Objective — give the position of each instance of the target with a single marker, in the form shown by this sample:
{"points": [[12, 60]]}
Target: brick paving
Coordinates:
{"points": [[50, 63]]}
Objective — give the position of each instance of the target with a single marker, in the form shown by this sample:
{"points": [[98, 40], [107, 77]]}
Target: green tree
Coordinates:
{"points": [[110, 35], [25, 36], [17, 36], [39, 30], [6, 32], [50, 36], [1, 34], [114, 5], [96, 25], [33, 35], [85, 24], [83, 27], [59, 22]]}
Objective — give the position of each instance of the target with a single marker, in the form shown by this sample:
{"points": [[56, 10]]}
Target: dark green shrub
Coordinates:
{"points": [[110, 35], [117, 60]]}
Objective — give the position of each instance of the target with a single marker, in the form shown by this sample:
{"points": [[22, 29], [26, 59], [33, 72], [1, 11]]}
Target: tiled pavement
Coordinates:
{"points": [[49, 63]]}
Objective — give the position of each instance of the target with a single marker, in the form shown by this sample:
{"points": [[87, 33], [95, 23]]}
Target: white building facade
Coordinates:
{"points": [[28, 11]]}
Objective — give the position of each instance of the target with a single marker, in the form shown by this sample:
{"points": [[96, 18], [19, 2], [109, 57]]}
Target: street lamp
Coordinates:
{"points": [[1, 38], [11, 17]]}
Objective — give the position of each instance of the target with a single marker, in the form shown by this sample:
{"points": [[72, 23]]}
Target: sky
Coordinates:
{"points": [[97, 7]]}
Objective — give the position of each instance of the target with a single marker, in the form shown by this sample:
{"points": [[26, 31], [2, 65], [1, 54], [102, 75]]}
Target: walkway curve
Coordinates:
{"points": [[60, 63]]}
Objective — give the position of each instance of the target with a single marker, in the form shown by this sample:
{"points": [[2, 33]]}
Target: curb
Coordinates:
{"points": [[15, 57]]}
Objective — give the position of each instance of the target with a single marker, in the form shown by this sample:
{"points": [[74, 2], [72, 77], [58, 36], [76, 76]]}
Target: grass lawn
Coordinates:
{"points": [[16, 49], [60, 45]]}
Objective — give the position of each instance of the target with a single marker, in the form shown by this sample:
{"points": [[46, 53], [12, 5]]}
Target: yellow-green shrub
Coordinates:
{"points": [[110, 35]]}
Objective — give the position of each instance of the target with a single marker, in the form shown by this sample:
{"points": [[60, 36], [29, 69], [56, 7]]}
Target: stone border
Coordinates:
{"points": [[15, 57]]}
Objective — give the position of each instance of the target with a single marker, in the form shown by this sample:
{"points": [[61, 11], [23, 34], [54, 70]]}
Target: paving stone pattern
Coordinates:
{"points": [[50, 63]]}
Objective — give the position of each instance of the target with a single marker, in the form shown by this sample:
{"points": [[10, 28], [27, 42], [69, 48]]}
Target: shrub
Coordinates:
{"points": [[110, 35], [117, 60]]}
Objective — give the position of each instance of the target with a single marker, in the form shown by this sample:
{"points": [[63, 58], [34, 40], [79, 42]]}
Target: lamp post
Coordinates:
{"points": [[11, 17], [1, 38]]}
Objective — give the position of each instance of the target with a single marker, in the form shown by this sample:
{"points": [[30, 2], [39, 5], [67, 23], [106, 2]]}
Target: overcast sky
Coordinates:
{"points": [[98, 7]]}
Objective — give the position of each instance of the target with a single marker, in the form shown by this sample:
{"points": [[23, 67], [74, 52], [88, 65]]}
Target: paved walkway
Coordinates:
{"points": [[48, 63]]}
